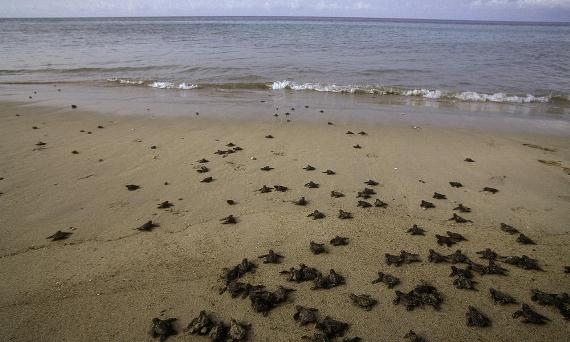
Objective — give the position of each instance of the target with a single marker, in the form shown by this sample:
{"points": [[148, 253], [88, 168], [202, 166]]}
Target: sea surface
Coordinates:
{"points": [[456, 61]]}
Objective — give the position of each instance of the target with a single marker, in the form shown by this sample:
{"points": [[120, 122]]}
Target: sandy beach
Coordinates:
{"points": [[107, 280]]}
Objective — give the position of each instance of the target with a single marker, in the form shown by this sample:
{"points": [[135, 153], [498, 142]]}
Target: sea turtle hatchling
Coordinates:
{"points": [[305, 315], [162, 328], [363, 300], [316, 215], [387, 279], [475, 318], [271, 257]]}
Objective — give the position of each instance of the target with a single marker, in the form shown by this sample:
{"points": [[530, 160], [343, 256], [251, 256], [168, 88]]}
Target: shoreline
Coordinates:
{"points": [[108, 276], [546, 119]]}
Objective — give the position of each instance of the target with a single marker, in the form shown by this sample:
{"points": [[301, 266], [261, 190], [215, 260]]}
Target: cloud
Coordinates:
{"points": [[538, 10], [548, 4]]}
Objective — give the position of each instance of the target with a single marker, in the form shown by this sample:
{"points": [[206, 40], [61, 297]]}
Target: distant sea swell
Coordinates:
{"points": [[433, 94]]}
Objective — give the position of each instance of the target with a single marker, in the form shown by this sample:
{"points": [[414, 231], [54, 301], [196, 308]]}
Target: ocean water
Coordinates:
{"points": [[516, 63]]}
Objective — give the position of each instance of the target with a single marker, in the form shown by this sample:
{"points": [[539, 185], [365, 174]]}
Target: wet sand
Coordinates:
{"points": [[107, 280]]}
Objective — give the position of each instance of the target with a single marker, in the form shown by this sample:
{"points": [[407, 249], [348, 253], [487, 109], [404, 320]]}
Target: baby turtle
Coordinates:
{"points": [[371, 182], [413, 337], [344, 215], [456, 184], [207, 180], [524, 262], [329, 172], [229, 220], [312, 185], [525, 240], [317, 248], [501, 297], [316, 215], [421, 295], [387, 279], [303, 273], [238, 330], [380, 204], [74, 152], [464, 281], [309, 168], [230, 144], [202, 169], [427, 205], [349, 132], [271, 257], [162, 328], [403, 258], [339, 241], [551, 299], [469, 160], [459, 219], [331, 280], [301, 201], [203, 160], [264, 189], [362, 133], [165, 205], [458, 257], [336, 194], [233, 273], [280, 188], [491, 268], [364, 301], [201, 325], [219, 332], [41, 143], [147, 226], [357, 146], [305, 315], [491, 190], [450, 239], [488, 254], [269, 136], [509, 229], [231, 202], [363, 204], [266, 168], [476, 319], [59, 235], [437, 195], [530, 316], [366, 193], [331, 327], [462, 208], [435, 257], [237, 288], [132, 187], [74, 107], [415, 230]]}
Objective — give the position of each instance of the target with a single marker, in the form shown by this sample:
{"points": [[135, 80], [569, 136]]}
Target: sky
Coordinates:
{"points": [[519, 10]]}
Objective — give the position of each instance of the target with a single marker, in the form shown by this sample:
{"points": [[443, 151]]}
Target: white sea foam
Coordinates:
{"points": [[125, 81], [433, 94], [500, 97], [427, 93], [187, 86]]}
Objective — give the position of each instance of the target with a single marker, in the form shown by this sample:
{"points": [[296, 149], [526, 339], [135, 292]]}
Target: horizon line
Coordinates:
{"points": [[294, 16]]}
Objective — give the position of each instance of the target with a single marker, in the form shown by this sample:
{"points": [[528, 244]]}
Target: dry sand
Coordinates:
{"points": [[107, 281]]}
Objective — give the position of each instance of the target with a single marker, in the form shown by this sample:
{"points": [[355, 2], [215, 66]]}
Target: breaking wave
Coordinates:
{"points": [[429, 94], [433, 94]]}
